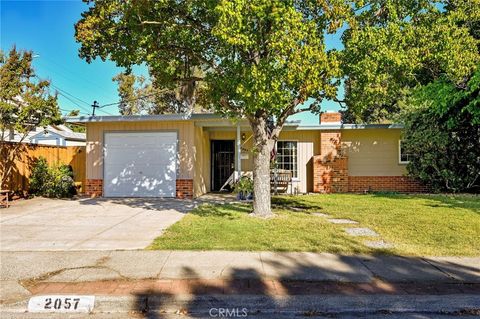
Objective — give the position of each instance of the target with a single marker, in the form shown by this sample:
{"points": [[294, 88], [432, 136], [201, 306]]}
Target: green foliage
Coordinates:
{"points": [[244, 185], [25, 103], [141, 96], [55, 181], [75, 127], [394, 46], [259, 58], [442, 131], [40, 174]]}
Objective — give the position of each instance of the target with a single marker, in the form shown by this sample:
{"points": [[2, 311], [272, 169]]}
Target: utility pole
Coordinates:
{"points": [[94, 105]]}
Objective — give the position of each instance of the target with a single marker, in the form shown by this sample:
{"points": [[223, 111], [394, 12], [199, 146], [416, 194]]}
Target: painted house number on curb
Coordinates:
{"points": [[61, 303]]}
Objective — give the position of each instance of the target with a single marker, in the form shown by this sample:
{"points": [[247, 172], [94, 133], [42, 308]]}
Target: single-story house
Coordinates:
{"points": [[185, 156], [59, 135]]}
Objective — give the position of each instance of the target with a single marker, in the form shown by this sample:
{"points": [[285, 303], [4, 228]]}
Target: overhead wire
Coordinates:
{"points": [[135, 99]]}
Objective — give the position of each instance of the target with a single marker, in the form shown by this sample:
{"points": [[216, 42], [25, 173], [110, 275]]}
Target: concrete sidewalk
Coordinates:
{"points": [[81, 266], [282, 283], [19, 269]]}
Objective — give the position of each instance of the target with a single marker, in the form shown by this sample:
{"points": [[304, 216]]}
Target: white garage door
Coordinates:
{"points": [[140, 164]]}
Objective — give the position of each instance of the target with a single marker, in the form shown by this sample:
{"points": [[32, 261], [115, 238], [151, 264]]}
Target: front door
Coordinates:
{"points": [[223, 162]]}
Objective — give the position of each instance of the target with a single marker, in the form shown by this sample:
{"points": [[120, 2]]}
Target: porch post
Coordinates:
{"points": [[239, 151]]}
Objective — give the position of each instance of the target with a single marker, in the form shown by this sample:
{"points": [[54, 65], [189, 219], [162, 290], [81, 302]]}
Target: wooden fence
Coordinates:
{"points": [[75, 156]]}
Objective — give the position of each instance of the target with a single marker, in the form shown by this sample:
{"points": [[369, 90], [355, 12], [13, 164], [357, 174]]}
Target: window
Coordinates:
{"points": [[287, 156], [403, 157]]}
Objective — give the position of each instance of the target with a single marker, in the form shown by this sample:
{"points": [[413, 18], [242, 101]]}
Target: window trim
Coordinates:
{"points": [[294, 178], [400, 154]]}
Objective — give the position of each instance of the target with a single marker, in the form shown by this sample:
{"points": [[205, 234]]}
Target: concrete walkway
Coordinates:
{"points": [[81, 266], [43, 224], [125, 281]]}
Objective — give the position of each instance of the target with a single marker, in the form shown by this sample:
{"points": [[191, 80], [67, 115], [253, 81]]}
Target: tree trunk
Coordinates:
{"points": [[263, 146]]}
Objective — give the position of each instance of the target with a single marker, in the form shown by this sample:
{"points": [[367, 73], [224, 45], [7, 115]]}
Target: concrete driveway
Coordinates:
{"points": [[87, 224]]}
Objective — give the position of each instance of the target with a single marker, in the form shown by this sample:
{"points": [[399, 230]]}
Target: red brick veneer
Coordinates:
{"points": [[330, 117], [94, 187], [330, 176], [400, 184], [184, 188]]}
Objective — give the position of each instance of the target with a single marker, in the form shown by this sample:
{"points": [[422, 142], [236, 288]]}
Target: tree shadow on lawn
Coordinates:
{"points": [[294, 203], [465, 201], [271, 288], [230, 211], [469, 202]]}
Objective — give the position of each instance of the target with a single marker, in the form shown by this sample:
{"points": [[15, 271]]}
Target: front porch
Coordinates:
{"points": [[226, 153]]}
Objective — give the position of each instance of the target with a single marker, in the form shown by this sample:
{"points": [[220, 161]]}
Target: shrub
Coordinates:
{"points": [[244, 185], [55, 181], [39, 176], [442, 131]]}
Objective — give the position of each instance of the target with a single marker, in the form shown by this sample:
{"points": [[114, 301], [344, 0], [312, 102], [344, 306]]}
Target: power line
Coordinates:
{"points": [[73, 101], [98, 88], [73, 96], [135, 99], [66, 95]]}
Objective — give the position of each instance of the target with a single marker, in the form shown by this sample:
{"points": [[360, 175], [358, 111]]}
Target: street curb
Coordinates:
{"points": [[323, 304]]}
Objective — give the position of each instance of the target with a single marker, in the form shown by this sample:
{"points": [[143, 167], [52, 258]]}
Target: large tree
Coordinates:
{"points": [[261, 59], [139, 95], [396, 46], [25, 103], [442, 132]]}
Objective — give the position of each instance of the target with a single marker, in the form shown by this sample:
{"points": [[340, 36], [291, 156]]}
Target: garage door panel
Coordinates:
{"points": [[140, 164], [126, 156]]}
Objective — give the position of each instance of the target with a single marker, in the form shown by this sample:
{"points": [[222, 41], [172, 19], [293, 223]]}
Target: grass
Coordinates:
{"points": [[427, 225]]}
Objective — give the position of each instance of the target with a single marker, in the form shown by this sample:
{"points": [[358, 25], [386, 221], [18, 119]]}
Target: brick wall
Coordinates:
{"points": [[330, 117], [94, 187], [400, 184], [331, 175], [330, 145], [184, 188]]}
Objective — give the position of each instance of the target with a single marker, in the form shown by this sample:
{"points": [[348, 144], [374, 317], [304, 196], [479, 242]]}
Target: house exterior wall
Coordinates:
{"points": [[373, 152], [344, 160], [201, 179], [186, 150], [361, 160]]}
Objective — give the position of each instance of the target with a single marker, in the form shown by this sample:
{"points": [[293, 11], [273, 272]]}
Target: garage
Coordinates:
{"points": [[140, 164]]}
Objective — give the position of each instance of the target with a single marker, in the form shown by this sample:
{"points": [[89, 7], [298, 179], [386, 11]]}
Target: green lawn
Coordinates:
{"points": [[415, 224]]}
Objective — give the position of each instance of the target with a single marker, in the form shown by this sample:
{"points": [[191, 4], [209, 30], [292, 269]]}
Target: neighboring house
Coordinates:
{"points": [[186, 156], [59, 135]]}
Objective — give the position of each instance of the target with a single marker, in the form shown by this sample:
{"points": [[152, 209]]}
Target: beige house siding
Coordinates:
{"points": [[308, 144], [201, 180], [186, 147], [373, 152]]}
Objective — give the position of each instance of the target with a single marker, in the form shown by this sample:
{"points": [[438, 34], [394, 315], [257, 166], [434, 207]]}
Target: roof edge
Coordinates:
{"points": [[212, 116]]}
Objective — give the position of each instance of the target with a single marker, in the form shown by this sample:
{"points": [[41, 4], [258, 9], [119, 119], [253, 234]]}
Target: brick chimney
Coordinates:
{"points": [[330, 117]]}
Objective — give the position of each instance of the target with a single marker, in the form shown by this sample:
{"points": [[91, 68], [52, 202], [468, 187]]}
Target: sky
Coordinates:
{"points": [[47, 28]]}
